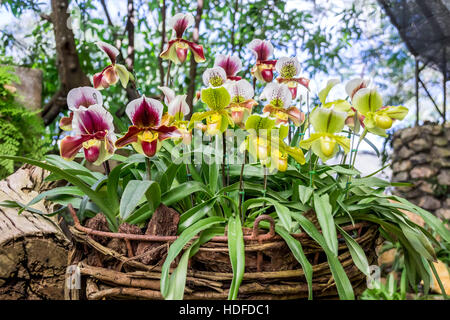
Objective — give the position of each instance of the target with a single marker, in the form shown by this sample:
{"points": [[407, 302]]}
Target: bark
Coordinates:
{"points": [[70, 73], [33, 249], [163, 41], [193, 64]]}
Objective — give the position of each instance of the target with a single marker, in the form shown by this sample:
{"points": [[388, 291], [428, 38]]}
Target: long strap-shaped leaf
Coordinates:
{"points": [[358, 255], [343, 284], [99, 201], [297, 251], [324, 215], [179, 244], [237, 255]]}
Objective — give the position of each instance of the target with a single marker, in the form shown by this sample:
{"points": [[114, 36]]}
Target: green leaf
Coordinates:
{"points": [[194, 214], [70, 190], [324, 214], [113, 185], [133, 194], [177, 279], [237, 255], [182, 191], [305, 193], [357, 253], [297, 251]]}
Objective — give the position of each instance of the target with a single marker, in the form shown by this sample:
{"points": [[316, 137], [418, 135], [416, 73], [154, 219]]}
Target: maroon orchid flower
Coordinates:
{"points": [[146, 132], [93, 132], [262, 50], [231, 64], [177, 48], [112, 73], [79, 97]]}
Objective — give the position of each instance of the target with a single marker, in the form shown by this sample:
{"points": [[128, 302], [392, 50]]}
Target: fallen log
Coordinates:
{"points": [[33, 249]]}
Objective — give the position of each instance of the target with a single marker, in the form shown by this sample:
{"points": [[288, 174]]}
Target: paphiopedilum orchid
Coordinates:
{"points": [[177, 108], [368, 102], [265, 142], [214, 77], [147, 130], [217, 117], [93, 132], [351, 88], [289, 69], [242, 102], [262, 50], [324, 142], [79, 97], [280, 98], [113, 72], [231, 64], [177, 48]]}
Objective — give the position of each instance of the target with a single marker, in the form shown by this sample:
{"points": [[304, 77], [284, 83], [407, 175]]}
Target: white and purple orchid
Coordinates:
{"points": [[231, 64], [113, 72], [279, 106], [289, 69], [79, 97], [147, 129], [214, 77], [93, 132], [177, 48], [263, 69], [242, 102]]}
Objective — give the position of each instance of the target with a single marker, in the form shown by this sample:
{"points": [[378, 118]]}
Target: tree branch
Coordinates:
{"points": [[163, 41]]}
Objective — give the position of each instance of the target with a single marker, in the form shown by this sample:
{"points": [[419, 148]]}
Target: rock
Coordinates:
{"points": [[405, 153], [441, 163], [429, 203], [426, 187], [401, 177], [397, 144], [436, 130], [29, 90], [447, 203], [409, 134], [420, 158], [443, 213], [444, 276], [440, 141], [419, 144], [440, 152], [422, 172], [402, 166], [444, 178]]}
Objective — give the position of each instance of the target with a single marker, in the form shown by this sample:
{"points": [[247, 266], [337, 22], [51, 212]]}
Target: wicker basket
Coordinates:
{"points": [[271, 270]]}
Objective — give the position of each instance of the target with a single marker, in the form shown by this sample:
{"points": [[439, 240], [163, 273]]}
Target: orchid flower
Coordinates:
{"points": [[289, 69], [324, 142], [177, 108], [93, 132], [231, 64], [113, 72], [79, 97], [146, 130], [377, 118], [351, 88], [214, 77], [217, 117], [177, 48], [262, 50], [270, 148], [242, 102], [280, 99]]}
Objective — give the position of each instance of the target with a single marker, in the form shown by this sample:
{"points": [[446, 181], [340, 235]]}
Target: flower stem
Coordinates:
{"points": [[148, 165], [168, 73]]}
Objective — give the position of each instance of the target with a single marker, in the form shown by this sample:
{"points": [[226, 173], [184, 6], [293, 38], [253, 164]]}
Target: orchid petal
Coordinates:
{"points": [[288, 67], [216, 98], [83, 96], [397, 112], [231, 64], [327, 120], [145, 112], [258, 122], [178, 105], [110, 50], [123, 73], [129, 137], [354, 85], [92, 120], [197, 50], [66, 122], [323, 94], [296, 116], [261, 49], [367, 100], [240, 91], [170, 52], [180, 22], [277, 94], [214, 77], [169, 94], [70, 146], [165, 132]]}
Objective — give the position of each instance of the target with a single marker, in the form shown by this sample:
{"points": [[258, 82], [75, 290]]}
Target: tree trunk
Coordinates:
{"points": [[70, 73], [33, 249]]}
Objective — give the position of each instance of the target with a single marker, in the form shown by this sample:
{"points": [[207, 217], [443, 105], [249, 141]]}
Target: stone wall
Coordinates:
{"points": [[422, 156]]}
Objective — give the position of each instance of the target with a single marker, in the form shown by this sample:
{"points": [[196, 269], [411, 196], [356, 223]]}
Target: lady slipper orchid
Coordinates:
{"points": [[280, 98], [93, 132], [324, 142], [176, 110], [79, 97], [231, 64], [242, 102], [377, 119], [112, 73], [262, 50], [147, 130], [217, 118], [214, 77], [267, 145], [354, 85], [289, 69], [177, 48]]}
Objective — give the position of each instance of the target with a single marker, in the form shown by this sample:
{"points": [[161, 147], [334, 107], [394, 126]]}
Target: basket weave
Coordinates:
{"points": [[271, 270]]}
